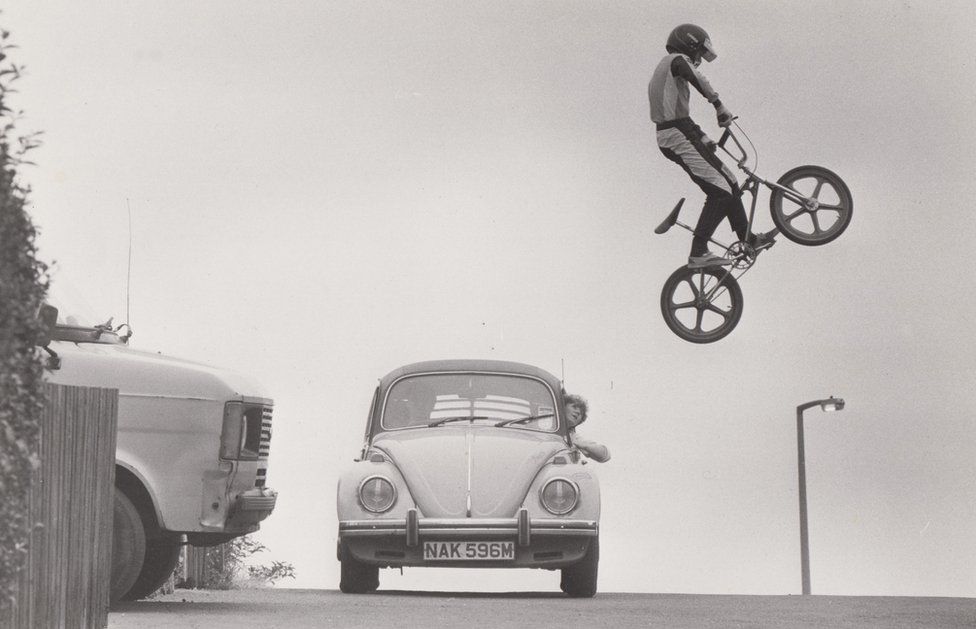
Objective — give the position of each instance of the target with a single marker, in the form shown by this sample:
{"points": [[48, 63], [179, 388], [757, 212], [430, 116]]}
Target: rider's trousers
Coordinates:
{"points": [[683, 142]]}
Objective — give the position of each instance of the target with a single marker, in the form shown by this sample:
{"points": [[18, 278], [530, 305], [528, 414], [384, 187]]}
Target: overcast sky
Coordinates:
{"points": [[321, 192]]}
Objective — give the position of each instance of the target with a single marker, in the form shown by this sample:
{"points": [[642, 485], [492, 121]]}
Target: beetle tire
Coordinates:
{"points": [[162, 555], [579, 579], [128, 546], [356, 577]]}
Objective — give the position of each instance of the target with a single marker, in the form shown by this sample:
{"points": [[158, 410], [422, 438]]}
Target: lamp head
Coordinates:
{"points": [[832, 404]]}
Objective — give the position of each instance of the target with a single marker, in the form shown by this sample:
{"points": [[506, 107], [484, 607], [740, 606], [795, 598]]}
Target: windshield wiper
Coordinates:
{"points": [[459, 418], [522, 420]]}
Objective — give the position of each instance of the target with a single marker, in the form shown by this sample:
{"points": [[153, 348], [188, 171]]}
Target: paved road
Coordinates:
{"points": [[301, 609]]}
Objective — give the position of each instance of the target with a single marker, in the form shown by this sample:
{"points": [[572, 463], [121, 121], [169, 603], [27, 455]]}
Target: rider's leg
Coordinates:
{"points": [[691, 149], [718, 205], [736, 214], [711, 215]]}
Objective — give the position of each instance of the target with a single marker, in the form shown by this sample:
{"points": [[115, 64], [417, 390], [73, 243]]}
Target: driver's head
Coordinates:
{"points": [[693, 41], [576, 409]]}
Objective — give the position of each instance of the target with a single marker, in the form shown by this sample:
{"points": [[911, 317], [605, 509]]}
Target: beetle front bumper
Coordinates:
{"points": [[538, 542]]}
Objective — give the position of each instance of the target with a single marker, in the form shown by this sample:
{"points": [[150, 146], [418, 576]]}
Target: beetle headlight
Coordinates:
{"points": [[559, 496], [377, 494]]}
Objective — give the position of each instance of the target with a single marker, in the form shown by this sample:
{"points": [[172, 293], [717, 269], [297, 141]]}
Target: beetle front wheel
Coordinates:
{"points": [[356, 577], [816, 209], [579, 579], [701, 305]]}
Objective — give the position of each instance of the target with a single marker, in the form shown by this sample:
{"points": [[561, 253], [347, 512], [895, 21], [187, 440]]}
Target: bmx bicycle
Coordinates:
{"points": [[810, 205]]}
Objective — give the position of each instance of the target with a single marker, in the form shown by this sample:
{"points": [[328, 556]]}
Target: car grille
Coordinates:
{"points": [[264, 448]]}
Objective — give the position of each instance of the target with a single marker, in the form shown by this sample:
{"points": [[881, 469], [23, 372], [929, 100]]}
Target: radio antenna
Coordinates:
{"points": [[128, 271]]}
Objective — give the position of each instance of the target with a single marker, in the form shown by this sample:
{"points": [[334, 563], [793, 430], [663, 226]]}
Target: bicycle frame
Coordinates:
{"points": [[753, 180], [742, 255], [744, 261]]}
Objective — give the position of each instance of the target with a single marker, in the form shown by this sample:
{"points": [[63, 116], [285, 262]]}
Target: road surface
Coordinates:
{"points": [[301, 609]]}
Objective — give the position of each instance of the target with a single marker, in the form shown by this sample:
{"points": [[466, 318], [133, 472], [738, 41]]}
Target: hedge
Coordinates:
{"points": [[23, 286]]}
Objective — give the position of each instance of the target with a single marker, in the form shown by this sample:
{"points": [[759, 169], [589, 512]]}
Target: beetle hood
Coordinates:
{"points": [[443, 466]]}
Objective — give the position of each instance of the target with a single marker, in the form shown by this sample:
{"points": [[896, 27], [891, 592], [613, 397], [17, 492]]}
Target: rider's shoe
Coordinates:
{"points": [[758, 242], [708, 259]]}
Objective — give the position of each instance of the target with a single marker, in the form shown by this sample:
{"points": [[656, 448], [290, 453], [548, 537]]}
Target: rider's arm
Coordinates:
{"points": [[680, 67]]}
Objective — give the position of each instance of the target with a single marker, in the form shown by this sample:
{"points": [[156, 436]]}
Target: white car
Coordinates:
{"points": [[468, 463], [192, 449]]}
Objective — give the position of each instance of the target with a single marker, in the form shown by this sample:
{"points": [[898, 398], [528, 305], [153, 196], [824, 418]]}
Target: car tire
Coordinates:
{"points": [[162, 555], [128, 546], [579, 579], [356, 577]]}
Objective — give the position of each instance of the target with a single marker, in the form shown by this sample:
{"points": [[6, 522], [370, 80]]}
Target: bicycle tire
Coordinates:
{"points": [[828, 188], [684, 298]]}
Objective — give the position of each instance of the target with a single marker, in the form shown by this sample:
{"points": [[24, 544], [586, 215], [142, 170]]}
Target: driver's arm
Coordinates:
{"points": [[593, 450]]}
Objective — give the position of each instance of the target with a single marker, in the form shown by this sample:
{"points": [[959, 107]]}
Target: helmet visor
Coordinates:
{"points": [[707, 51]]}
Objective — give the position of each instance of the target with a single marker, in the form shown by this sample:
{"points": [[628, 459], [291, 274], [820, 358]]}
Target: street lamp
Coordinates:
{"points": [[829, 405]]}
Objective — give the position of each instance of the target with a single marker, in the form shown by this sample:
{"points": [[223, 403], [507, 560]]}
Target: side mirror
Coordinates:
{"points": [[48, 316]]}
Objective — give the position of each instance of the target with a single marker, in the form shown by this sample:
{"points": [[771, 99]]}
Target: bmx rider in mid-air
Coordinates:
{"points": [[683, 142]]}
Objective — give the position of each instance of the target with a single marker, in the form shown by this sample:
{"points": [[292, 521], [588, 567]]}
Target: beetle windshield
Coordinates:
{"points": [[434, 399]]}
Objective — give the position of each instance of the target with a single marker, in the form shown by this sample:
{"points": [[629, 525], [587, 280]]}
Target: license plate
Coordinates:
{"points": [[469, 551]]}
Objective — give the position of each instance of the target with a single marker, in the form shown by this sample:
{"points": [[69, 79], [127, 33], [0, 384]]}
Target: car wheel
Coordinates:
{"points": [[128, 546], [162, 555], [355, 576], [579, 579]]}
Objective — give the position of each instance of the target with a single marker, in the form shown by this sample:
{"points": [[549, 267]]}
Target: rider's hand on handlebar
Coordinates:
{"points": [[725, 116]]}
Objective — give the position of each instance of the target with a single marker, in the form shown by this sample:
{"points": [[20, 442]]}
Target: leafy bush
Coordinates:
{"points": [[227, 567], [23, 285]]}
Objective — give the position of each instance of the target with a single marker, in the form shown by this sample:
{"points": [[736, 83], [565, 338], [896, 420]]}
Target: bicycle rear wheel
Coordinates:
{"points": [[825, 213], [701, 305]]}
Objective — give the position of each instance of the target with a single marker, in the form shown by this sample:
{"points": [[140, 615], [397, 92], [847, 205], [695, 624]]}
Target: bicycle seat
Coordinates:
{"points": [[671, 219]]}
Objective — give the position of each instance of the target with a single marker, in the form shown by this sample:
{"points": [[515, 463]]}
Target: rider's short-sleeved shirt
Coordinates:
{"points": [[668, 90]]}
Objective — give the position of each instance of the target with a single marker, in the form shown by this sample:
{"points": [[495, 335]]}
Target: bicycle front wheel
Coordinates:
{"points": [[818, 212], [701, 305]]}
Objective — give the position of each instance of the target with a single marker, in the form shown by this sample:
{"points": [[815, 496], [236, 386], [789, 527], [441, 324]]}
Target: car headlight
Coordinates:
{"points": [[377, 494], [559, 496], [244, 431]]}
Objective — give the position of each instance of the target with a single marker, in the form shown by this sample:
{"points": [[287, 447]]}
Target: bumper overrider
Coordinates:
{"points": [[536, 542], [252, 506]]}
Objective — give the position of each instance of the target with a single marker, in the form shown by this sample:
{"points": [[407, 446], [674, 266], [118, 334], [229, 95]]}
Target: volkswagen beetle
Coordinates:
{"points": [[468, 463]]}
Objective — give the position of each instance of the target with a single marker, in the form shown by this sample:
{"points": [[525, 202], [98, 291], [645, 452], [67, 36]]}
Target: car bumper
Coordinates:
{"points": [[538, 542], [251, 507]]}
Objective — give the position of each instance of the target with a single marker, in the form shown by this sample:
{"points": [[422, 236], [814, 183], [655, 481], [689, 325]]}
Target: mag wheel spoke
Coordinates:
{"points": [[719, 311], [799, 211], [816, 190], [816, 224]]}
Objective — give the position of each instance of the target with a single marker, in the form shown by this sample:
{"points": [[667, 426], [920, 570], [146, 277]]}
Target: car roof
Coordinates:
{"points": [[468, 365]]}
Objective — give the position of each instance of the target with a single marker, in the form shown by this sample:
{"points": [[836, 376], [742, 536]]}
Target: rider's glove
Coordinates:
{"points": [[725, 116]]}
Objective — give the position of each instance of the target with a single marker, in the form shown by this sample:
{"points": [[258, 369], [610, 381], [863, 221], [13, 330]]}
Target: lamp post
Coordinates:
{"points": [[830, 404]]}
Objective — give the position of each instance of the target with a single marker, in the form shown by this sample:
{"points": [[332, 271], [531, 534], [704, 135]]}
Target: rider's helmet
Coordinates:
{"points": [[691, 40]]}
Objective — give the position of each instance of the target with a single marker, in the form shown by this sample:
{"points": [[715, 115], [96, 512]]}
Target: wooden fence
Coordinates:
{"points": [[65, 581]]}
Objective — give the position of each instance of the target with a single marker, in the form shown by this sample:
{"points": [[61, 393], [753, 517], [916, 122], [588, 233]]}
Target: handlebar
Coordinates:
{"points": [[742, 157]]}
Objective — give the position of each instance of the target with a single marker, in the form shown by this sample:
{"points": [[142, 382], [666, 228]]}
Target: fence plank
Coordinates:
{"points": [[64, 583]]}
